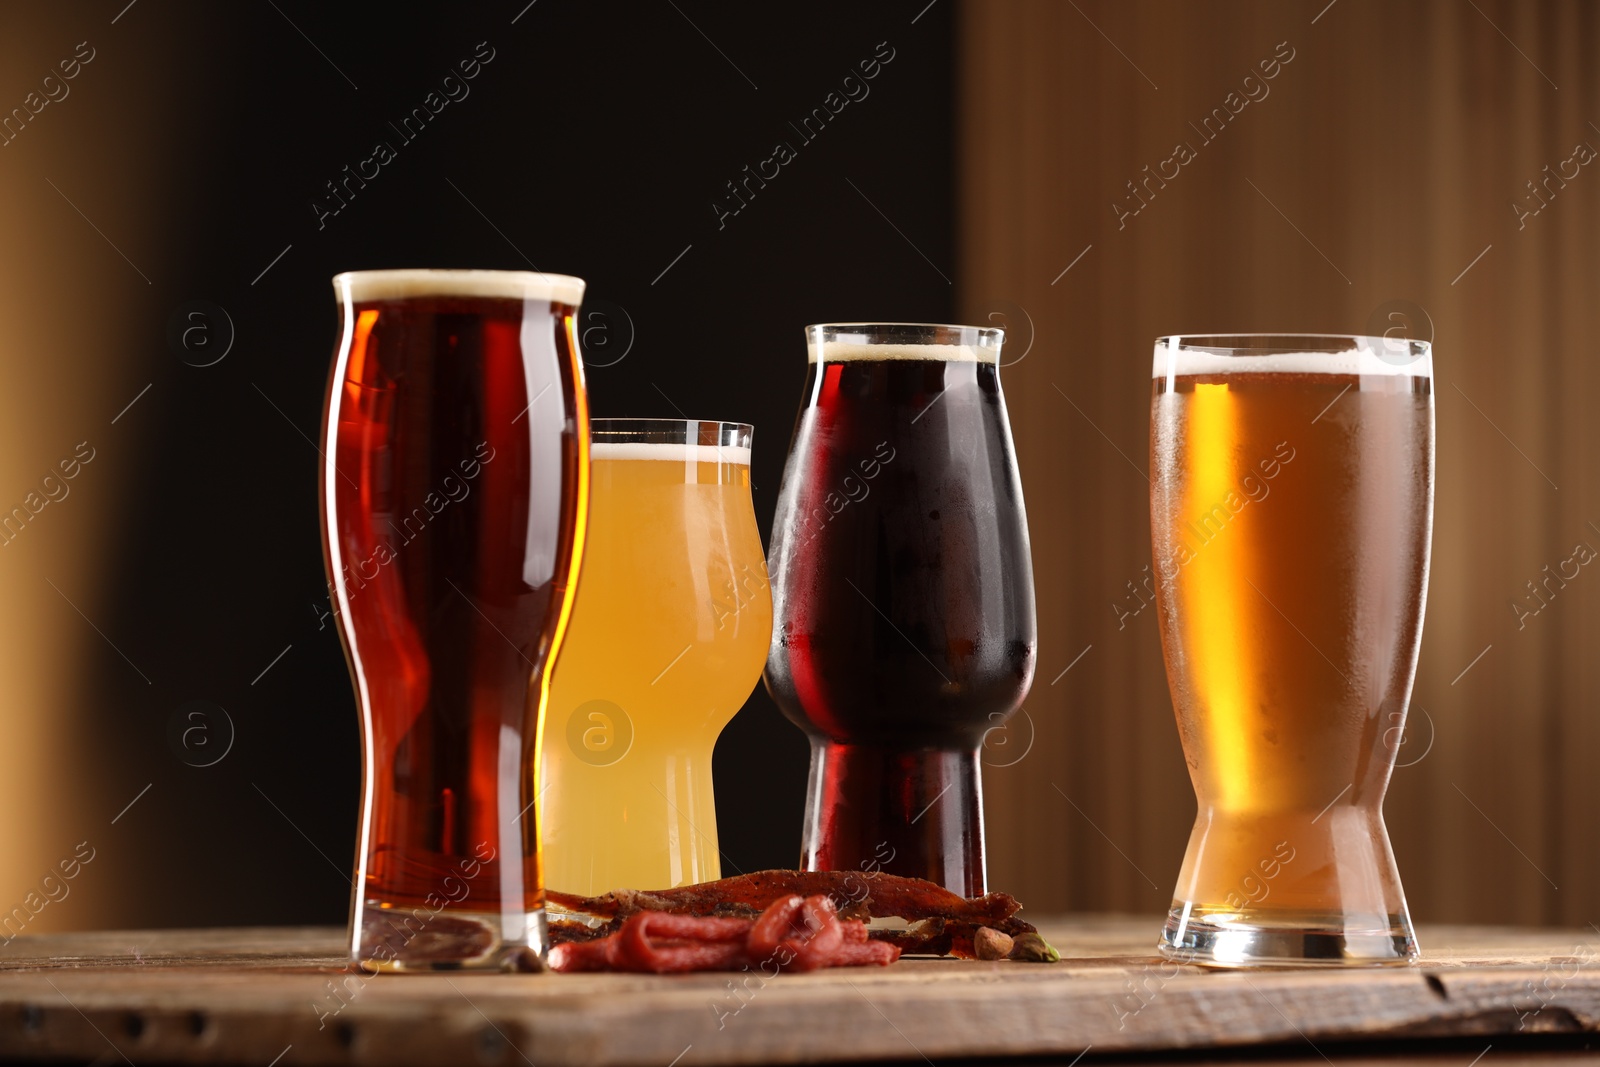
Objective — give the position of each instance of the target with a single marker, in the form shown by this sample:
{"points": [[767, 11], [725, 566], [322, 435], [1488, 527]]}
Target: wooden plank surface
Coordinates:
{"points": [[248, 995]]}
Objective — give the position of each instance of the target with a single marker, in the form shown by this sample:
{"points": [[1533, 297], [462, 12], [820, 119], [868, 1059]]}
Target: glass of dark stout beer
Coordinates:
{"points": [[902, 592], [453, 496], [1291, 508]]}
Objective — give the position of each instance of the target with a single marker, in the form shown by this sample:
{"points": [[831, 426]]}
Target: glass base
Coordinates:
{"points": [[1262, 938], [394, 939], [911, 812]]}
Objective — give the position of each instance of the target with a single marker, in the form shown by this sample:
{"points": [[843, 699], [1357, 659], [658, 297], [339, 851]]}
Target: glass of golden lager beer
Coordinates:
{"points": [[668, 636], [1291, 507]]}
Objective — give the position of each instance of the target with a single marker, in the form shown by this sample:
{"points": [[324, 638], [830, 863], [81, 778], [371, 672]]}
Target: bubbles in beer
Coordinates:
{"points": [[845, 352], [366, 285], [671, 452], [1365, 356]]}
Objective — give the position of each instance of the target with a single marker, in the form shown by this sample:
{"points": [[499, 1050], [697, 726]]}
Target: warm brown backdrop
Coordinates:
{"points": [[70, 290], [1395, 141]]}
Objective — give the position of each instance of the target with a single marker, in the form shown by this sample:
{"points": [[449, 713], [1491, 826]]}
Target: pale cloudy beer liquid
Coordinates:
{"points": [[667, 639], [1291, 513]]}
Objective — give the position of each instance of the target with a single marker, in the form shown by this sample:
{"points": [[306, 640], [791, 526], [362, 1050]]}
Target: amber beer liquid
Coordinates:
{"points": [[1291, 510], [453, 505]]}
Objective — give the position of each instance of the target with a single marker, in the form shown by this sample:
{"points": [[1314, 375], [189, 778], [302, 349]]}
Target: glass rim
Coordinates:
{"points": [[986, 335], [403, 283], [1300, 353], [704, 433], [1309, 344], [845, 342]]}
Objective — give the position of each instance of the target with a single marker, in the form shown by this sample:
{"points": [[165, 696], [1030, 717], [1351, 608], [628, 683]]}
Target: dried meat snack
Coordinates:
{"points": [[794, 933], [943, 923]]}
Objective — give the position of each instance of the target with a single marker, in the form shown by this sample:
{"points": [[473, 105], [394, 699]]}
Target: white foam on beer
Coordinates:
{"points": [[674, 451], [365, 285], [847, 351], [1376, 357]]}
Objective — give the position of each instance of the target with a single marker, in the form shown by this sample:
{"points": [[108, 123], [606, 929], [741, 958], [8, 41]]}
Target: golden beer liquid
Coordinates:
{"points": [[668, 637], [1291, 519]]}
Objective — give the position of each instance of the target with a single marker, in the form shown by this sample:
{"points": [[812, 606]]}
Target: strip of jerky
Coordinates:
{"points": [[572, 932], [882, 895]]}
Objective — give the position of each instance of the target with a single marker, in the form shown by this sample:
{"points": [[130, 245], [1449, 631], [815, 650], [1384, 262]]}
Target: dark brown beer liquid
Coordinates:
{"points": [[903, 618], [454, 487]]}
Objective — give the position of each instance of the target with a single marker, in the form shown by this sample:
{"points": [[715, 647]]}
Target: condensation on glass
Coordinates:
{"points": [[902, 594], [1291, 508]]}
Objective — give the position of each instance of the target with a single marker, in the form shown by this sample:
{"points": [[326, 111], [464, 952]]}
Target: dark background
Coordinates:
{"points": [[593, 143]]}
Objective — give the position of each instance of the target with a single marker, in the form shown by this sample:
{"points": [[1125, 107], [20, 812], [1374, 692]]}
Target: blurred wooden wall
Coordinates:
{"points": [[1381, 166], [86, 203]]}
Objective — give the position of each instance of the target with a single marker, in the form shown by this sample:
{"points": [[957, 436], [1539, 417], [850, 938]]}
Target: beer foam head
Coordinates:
{"points": [[670, 451], [361, 286], [843, 342], [1292, 354]]}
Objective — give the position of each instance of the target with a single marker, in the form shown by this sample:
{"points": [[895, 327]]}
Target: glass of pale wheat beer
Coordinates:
{"points": [[453, 499], [668, 635], [903, 612], [1291, 507]]}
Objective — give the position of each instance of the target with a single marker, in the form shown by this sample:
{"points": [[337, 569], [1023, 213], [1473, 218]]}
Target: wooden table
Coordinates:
{"points": [[281, 996]]}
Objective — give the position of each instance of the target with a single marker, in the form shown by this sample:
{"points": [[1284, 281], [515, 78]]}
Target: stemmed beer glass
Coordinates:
{"points": [[1291, 505], [902, 594]]}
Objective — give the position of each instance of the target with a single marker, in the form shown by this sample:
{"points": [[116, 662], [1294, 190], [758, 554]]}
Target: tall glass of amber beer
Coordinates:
{"points": [[454, 496], [668, 636], [902, 594], [1291, 507]]}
